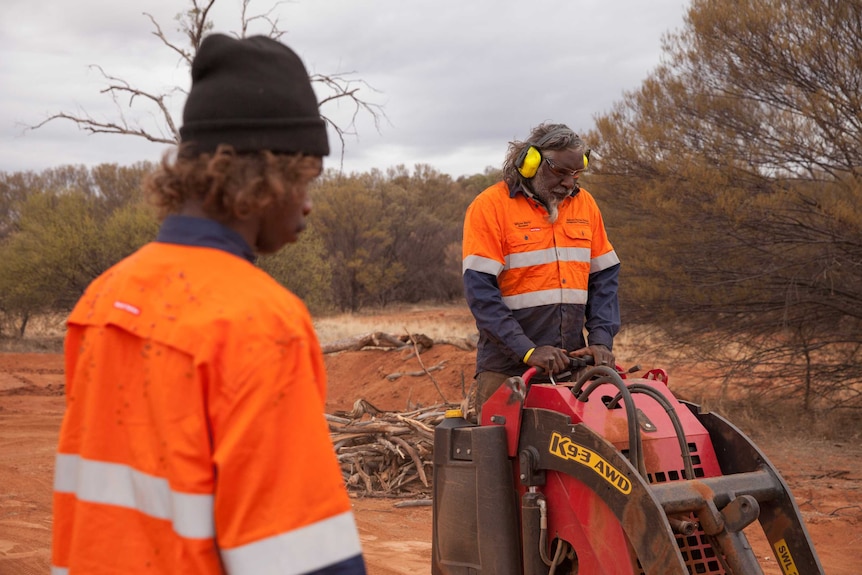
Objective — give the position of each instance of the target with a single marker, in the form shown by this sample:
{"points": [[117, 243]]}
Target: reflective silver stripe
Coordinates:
{"points": [[116, 484], [59, 570], [547, 256], [574, 254], [604, 261], [546, 297], [480, 264], [299, 551], [532, 258]]}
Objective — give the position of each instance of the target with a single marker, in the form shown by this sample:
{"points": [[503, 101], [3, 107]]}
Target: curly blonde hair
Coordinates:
{"points": [[225, 184]]}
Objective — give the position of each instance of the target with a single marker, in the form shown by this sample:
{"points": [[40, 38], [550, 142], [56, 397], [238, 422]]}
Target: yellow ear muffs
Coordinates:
{"points": [[530, 164]]}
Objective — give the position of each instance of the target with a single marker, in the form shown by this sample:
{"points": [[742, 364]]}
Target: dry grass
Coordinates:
{"points": [[44, 334], [435, 321], [31, 345], [43, 326]]}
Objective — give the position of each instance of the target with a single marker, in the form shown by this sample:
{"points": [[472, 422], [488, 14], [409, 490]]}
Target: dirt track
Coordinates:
{"points": [[826, 478]]}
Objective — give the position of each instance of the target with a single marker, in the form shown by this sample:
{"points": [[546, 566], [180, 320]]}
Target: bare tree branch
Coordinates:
{"points": [[88, 124], [194, 24], [274, 31], [343, 88], [118, 87], [184, 54]]}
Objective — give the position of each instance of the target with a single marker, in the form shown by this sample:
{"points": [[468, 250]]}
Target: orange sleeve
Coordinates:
{"points": [[483, 241]]}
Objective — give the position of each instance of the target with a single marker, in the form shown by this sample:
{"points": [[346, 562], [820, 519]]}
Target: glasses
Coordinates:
{"points": [[562, 172]]}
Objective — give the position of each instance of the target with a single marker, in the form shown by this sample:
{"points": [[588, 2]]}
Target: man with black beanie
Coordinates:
{"points": [[194, 439]]}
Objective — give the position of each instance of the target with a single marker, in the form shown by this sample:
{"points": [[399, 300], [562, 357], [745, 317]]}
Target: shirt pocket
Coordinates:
{"points": [[527, 248], [526, 240], [579, 235]]}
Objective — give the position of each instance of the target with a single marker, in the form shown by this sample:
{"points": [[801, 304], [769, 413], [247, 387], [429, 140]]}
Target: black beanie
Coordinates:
{"points": [[253, 94]]}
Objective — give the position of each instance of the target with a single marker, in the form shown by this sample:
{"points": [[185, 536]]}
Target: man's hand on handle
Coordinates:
{"points": [[601, 354], [552, 359], [548, 358]]}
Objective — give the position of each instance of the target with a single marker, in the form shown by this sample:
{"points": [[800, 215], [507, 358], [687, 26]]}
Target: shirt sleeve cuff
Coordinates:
{"points": [[522, 346], [602, 338]]}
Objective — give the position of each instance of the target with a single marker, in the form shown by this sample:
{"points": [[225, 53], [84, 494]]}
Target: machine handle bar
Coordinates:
{"points": [[575, 363]]}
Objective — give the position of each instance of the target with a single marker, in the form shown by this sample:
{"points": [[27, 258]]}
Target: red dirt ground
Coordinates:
{"points": [[826, 478]]}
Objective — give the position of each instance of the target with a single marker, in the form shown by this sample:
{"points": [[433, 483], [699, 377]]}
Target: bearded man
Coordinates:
{"points": [[538, 268]]}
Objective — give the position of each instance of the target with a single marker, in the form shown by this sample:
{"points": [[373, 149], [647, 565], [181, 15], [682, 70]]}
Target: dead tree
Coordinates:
{"points": [[194, 24]]}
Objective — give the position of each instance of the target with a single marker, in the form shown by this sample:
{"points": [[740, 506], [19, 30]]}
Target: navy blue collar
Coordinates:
{"points": [[204, 233]]}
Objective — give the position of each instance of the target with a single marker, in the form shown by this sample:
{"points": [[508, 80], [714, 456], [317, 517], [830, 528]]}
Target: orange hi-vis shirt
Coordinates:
{"points": [[194, 439], [530, 282]]}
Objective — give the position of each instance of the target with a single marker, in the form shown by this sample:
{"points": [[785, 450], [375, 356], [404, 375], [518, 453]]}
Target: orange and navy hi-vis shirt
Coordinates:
{"points": [[531, 283], [194, 439]]}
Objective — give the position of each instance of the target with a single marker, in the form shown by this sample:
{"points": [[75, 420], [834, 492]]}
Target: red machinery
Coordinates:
{"points": [[606, 475]]}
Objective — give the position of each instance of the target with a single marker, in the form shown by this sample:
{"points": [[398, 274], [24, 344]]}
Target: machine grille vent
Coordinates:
{"points": [[696, 550]]}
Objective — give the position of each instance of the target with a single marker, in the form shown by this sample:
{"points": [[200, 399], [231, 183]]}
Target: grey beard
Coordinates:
{"points": [[547, 198], [553, 210]]}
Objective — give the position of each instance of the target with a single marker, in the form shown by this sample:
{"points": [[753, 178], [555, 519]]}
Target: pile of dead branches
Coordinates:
{"points": [[380, 340], [386, 454]]}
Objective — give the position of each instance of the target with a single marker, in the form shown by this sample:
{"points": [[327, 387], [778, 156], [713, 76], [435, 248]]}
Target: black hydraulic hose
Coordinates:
{"points": [[635, 442], [674, 418], [608, 375]]}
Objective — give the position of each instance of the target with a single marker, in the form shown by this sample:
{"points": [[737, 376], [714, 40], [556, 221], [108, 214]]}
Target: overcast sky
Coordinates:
{"points": [[457, 79]]}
